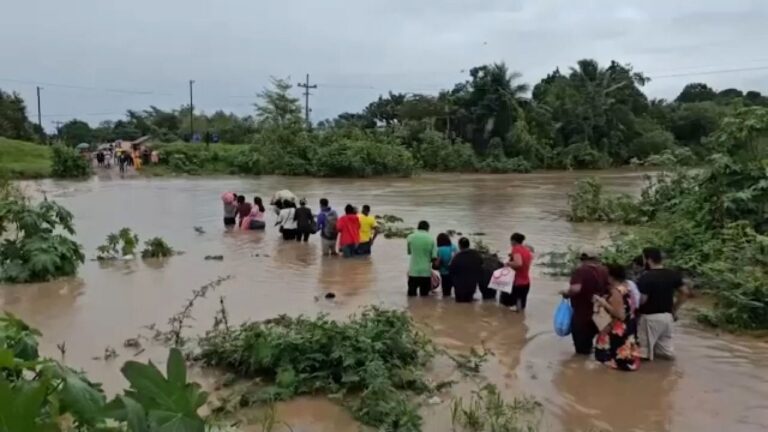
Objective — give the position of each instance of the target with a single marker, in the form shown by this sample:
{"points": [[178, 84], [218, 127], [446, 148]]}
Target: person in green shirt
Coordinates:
{"points": [[423, 251]]}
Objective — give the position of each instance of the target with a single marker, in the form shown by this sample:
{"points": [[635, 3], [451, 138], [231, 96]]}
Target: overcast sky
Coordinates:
{"points": [[354, 50]]}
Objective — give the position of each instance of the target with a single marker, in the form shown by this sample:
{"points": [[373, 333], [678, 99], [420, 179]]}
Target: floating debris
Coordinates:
{"points": [[132, 343], [199, 230], [214, 257], [109, 353]]}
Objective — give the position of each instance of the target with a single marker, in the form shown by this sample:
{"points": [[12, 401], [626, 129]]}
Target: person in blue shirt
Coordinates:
{"points": [[445, 252]]}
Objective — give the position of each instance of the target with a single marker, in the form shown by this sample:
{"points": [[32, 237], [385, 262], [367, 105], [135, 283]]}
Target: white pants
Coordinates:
{"points": [[654, 334]]}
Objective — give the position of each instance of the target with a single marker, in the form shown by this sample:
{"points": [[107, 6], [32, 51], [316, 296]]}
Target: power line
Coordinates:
{"points": [[712, 72], [81, 87]]}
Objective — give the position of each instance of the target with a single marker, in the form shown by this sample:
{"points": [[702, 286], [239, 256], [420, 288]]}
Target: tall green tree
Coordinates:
{"points": [[696, 92], [13, 117], [75, 132], [488, 104], [277, 108]]}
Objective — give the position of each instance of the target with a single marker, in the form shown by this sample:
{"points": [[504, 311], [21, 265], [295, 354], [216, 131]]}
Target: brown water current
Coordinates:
{"points": [[718, 382]]}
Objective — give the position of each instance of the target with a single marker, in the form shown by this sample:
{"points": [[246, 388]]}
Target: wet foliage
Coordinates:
{"points": [[156, 247], [390, 226], [487, 411], [712, 223], [117, 245], [37, 244], [124, 243], [69, 163], [374, 362], [42, 394]]}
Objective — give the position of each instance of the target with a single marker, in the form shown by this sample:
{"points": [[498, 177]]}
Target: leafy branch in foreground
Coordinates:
{"points": [[37, 244], [41, 394], [374, 361]]}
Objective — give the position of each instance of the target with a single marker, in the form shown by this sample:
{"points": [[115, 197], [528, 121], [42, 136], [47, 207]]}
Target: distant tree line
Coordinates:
{"points": [[590, 116]]}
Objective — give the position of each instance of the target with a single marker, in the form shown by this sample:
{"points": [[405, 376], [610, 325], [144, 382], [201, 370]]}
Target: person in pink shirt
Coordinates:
{"points": [[255, 219]]}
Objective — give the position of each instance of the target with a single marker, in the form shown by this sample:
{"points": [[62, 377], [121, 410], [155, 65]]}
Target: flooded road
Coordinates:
{"points": [[717, 383]]}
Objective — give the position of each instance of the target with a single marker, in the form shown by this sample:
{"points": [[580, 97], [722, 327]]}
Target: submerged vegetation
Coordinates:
{"points": [[123, 244], [711, 223], [374, 362], [156, 247], [37, 242], [487, 411], [118, 245]]}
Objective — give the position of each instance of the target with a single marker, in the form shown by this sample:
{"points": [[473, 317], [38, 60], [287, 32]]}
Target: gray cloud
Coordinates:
{"points": [[355, 50]]}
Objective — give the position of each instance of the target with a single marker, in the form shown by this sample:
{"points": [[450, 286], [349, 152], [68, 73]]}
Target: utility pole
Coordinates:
{"points": [[58, 124], [39, 115], [306, 88], [191, 113]]}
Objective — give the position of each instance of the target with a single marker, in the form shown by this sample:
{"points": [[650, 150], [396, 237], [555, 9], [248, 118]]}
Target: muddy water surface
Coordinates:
{"points": [[717, 383]]}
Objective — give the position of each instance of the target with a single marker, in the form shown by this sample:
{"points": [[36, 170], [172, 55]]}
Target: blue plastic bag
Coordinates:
{"points": [[563, 317]]}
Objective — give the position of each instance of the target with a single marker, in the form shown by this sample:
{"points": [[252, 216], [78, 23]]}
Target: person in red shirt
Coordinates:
{"points": [[348, 227], [520, 258]]}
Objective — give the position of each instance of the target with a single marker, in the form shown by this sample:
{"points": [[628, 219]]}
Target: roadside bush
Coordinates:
{"points": [[436, 153], [587, 203], [69, 163], [580, 156], [350, 158], [651, 143], [504, 165], [37, 250]]}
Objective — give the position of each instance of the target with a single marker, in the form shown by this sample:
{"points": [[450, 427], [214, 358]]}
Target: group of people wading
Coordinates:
{"points": [[621, 319], [351, 234]]}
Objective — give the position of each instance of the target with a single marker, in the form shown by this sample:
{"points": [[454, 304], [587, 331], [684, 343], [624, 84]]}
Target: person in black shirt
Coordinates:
{"points": [[465, 269], [304, 221], [662, 292]]}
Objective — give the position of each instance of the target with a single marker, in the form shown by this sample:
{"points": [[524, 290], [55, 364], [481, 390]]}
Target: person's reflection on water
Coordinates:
{"points": [[640, 401], [348, 280]]}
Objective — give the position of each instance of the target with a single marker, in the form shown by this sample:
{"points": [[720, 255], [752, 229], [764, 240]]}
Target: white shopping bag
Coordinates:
{"points": [[502, 280]]}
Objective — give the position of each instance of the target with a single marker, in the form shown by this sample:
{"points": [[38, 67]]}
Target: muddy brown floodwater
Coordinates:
{"points": [[718, 383]]}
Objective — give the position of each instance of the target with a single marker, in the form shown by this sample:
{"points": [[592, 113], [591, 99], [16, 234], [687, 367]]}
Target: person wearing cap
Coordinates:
{"points": [[590, 278], [304, 221]]}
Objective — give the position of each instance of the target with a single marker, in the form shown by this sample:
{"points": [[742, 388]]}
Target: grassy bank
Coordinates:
{"points": [[24, 160]]}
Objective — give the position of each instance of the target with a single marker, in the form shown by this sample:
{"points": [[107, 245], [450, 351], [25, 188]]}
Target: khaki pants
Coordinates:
{"points": [[654, 334]]}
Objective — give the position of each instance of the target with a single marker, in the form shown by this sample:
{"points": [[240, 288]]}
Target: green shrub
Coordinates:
{"points": [[587, 203], [504, 165], [580, 156], [349, 158], [117, 245], [436, 153], [375, 360], [69, 163], [38, 250], [156, 247]]}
